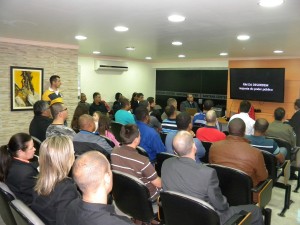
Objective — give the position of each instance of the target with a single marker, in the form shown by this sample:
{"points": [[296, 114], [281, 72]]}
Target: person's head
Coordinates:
{"points": [[55, 159], [170, 111], [237, 127], [140, 97], [55, 81], [261, 125], [97, 97], [142, 114], [151, 101], [96, 116], [184, 145], [80, 110], [118, 95], [59, 111], [86, 122], [184, 121], [82, 97], [92, 173], [208, 104], [245, 106], [103, 124], [156, 113], [145, 103], [41, 108], [189, 97], [297, 104], [279, 114], [172, 101], [211, 117], [125, 104], [130, 135], [134, 96]]}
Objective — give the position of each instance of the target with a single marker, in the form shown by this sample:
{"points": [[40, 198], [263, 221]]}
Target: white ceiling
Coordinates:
{"points": [[211, 26]]}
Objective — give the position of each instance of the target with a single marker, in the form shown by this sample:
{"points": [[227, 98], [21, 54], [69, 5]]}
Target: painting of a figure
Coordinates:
{"points": [[26, 84]]}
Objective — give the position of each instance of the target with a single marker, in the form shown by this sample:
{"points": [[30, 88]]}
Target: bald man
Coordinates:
{"points": [[92, 174], [210, 133], [236, 152], [184, 175]]}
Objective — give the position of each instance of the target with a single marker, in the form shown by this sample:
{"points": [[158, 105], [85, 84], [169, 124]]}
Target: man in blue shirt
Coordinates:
{"points": [[123, 115], [150, 139]]}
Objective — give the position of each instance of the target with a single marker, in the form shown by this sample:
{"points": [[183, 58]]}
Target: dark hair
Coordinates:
{"points": [[95, 94], [141, 113], [156, 113], [133, 95], [80, 110], [144, 103], [53, 78], [169, 110], [124, 102], [208, 104], [139, 94], [39, 107], [245, 106], [16, 142], [297, 103], [279, 113], [261, 125], [150, 100], [237, 127], [103, 124], [128, 133], [117, 96], [56, 108], [183, 120]]}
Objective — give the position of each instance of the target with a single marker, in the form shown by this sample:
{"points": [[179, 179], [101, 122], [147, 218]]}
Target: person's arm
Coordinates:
{"points": [[157, 182]]}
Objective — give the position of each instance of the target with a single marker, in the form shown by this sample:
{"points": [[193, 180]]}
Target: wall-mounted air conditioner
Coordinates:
{"points": [[110, 65]]}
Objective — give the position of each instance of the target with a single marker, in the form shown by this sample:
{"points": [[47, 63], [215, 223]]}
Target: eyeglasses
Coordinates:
{"points": [[64, 110]]}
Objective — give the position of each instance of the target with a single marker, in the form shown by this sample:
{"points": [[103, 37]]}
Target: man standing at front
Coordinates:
{"points": [[52, 93]]}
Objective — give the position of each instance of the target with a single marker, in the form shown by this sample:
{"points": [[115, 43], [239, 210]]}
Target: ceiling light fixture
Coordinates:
{"points": [[176, 18], [223, 54], [148, 58], [121, 28], [243, 37], [181, 56], [177, 43], [130, 48], [96, 52], [270, 3], [80, 37], [278, 51]]}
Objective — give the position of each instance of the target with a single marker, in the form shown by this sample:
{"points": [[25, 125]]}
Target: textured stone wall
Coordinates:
{"points": [[54, 60]]}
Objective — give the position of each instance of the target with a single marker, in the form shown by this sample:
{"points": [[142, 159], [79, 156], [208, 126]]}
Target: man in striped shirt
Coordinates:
{"points": [[169, 124], [127, 159]]}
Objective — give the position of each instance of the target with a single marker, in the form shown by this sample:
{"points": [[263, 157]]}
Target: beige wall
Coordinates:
{"points": [[59, 60]]}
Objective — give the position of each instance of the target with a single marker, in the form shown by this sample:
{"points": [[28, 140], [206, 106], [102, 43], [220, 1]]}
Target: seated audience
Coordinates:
{"points": [[169, 124], [134, 102], [209, 132], [98, 104], [189, 103], [80, 110], [258, 140], [83, 102], [60, 115], [295, 121], [127, 159], [150, 139], [155, 116], [124, 115], [96, 117], [117, 103], [281, 130], [104, 129], [236, 152], [87, 127], [184, 123], [249, 122], [92, 174], [199, 118], [41, 120], [173, 102], [184, 175], [54, 190], [15, 168], [152, 103]]}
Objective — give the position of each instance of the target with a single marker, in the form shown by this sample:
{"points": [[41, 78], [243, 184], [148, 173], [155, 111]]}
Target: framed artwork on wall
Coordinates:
{"points": [[26, 87]]}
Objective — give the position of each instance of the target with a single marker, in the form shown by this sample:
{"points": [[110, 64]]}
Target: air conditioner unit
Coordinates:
{"points": [[110, 65]]}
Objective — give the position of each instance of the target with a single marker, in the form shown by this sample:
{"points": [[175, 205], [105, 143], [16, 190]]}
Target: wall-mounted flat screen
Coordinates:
{"points": [[258, 84]]}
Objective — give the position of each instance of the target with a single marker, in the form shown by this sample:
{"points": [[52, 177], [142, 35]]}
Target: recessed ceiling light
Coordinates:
{"points": [[181, 56], [177, 43], [223, 53], [121, 28], [270, 3], [96, 52], [130, 48], [80, 37], [176, 18], [148, 58], [278, 51], [243, 37]]}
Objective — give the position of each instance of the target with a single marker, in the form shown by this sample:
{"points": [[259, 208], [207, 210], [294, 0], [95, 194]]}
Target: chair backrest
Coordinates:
{"points": [[82, 147], [271, 165], [23, 214], [37, 144], [282, 143], [160, 158], [206, 145], [115, 129], [235, 185], [142, 151], [6, 196], [110, 142], [175, 206], [132, 197]]}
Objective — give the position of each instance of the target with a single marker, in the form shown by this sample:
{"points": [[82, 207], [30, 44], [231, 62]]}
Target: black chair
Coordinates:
{"points": [[160, 158], [23, 214], [206, 145], [110, 142], [180, 209], [132, 197], [37, 144], [6, 196], [238, 188], [82, 147], [195, 128], [142, 151], [115, 129], [282, 143], [296, 167], [275, 172]]}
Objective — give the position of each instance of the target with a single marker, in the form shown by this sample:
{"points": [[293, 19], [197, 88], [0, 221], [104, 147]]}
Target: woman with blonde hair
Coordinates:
{"points": [[54, 190]]}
